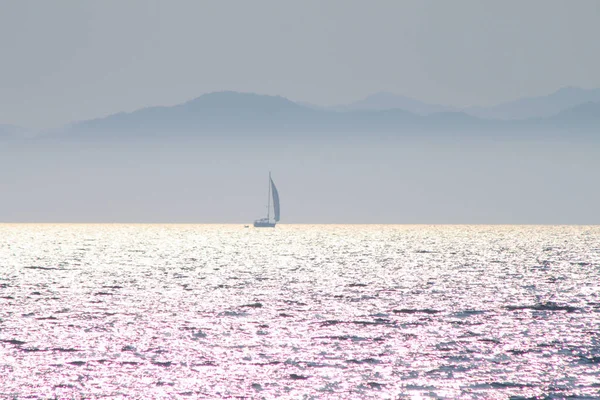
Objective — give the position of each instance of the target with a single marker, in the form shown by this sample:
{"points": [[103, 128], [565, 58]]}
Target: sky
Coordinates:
{"points": [[71, 60], [449, 181]]}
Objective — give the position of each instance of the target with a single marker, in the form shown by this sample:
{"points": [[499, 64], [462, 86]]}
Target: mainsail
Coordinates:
{"points": [[275, 200], [267, 222]]}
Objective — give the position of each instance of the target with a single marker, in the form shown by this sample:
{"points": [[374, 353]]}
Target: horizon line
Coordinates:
{"points": [[304, 223]]}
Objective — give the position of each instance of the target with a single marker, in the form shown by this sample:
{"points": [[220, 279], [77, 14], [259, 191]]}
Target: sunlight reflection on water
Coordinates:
{"points": [[347, 311]]}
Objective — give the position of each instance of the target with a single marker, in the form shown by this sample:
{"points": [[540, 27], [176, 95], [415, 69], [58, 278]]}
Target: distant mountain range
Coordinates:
{"points": [[246, 113], [538, 107], [388, 101], [587, 115], [525, 108], [7, 130], [209, 113]]}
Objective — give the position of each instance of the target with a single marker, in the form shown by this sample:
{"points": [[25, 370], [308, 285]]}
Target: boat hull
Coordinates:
{"points": [[264, 224]]}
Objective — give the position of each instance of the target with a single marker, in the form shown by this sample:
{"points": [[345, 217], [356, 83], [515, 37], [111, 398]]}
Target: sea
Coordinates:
{"points": [[299, 311]]}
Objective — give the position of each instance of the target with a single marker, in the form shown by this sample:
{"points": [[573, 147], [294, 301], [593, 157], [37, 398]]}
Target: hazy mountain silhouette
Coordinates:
{"points": [[252, 115], [213, 112], [312, 106], [589, 111], [524, 108], [7, 130], [246, 113], [540, 106], [584, 117], [387, 101]]}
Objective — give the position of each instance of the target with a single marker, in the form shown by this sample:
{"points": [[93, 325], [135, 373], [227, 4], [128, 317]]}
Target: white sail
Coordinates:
{"points": [[275, 200], [267, 222]]}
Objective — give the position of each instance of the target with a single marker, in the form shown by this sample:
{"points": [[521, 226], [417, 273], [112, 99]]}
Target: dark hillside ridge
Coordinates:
{"points": [[252, 115]]}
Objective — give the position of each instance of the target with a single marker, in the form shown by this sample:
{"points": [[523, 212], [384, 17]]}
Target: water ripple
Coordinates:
{"points": [[209, 311]]}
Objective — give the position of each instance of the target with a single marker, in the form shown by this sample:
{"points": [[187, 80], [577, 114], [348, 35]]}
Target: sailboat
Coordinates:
{"points": [[267, 222]]}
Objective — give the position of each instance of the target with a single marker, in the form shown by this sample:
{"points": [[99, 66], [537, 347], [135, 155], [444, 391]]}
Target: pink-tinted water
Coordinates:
{"points": [[299, 311]]}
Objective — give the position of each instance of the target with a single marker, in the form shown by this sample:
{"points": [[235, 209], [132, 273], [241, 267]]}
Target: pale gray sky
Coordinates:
{"points": [[67, 60], [446, 180]]}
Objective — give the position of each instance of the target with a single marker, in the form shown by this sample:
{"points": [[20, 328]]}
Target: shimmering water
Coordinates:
{"points": [[208, 311]]}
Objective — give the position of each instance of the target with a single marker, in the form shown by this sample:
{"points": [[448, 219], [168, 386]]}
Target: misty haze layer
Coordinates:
{"points": [[338, 180]]}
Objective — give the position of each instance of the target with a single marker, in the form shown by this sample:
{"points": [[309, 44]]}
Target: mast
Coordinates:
{"points": [[269, 199]]}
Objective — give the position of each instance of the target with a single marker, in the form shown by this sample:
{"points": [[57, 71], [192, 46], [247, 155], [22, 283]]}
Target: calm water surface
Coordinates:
{"points": [[304, 311]]}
